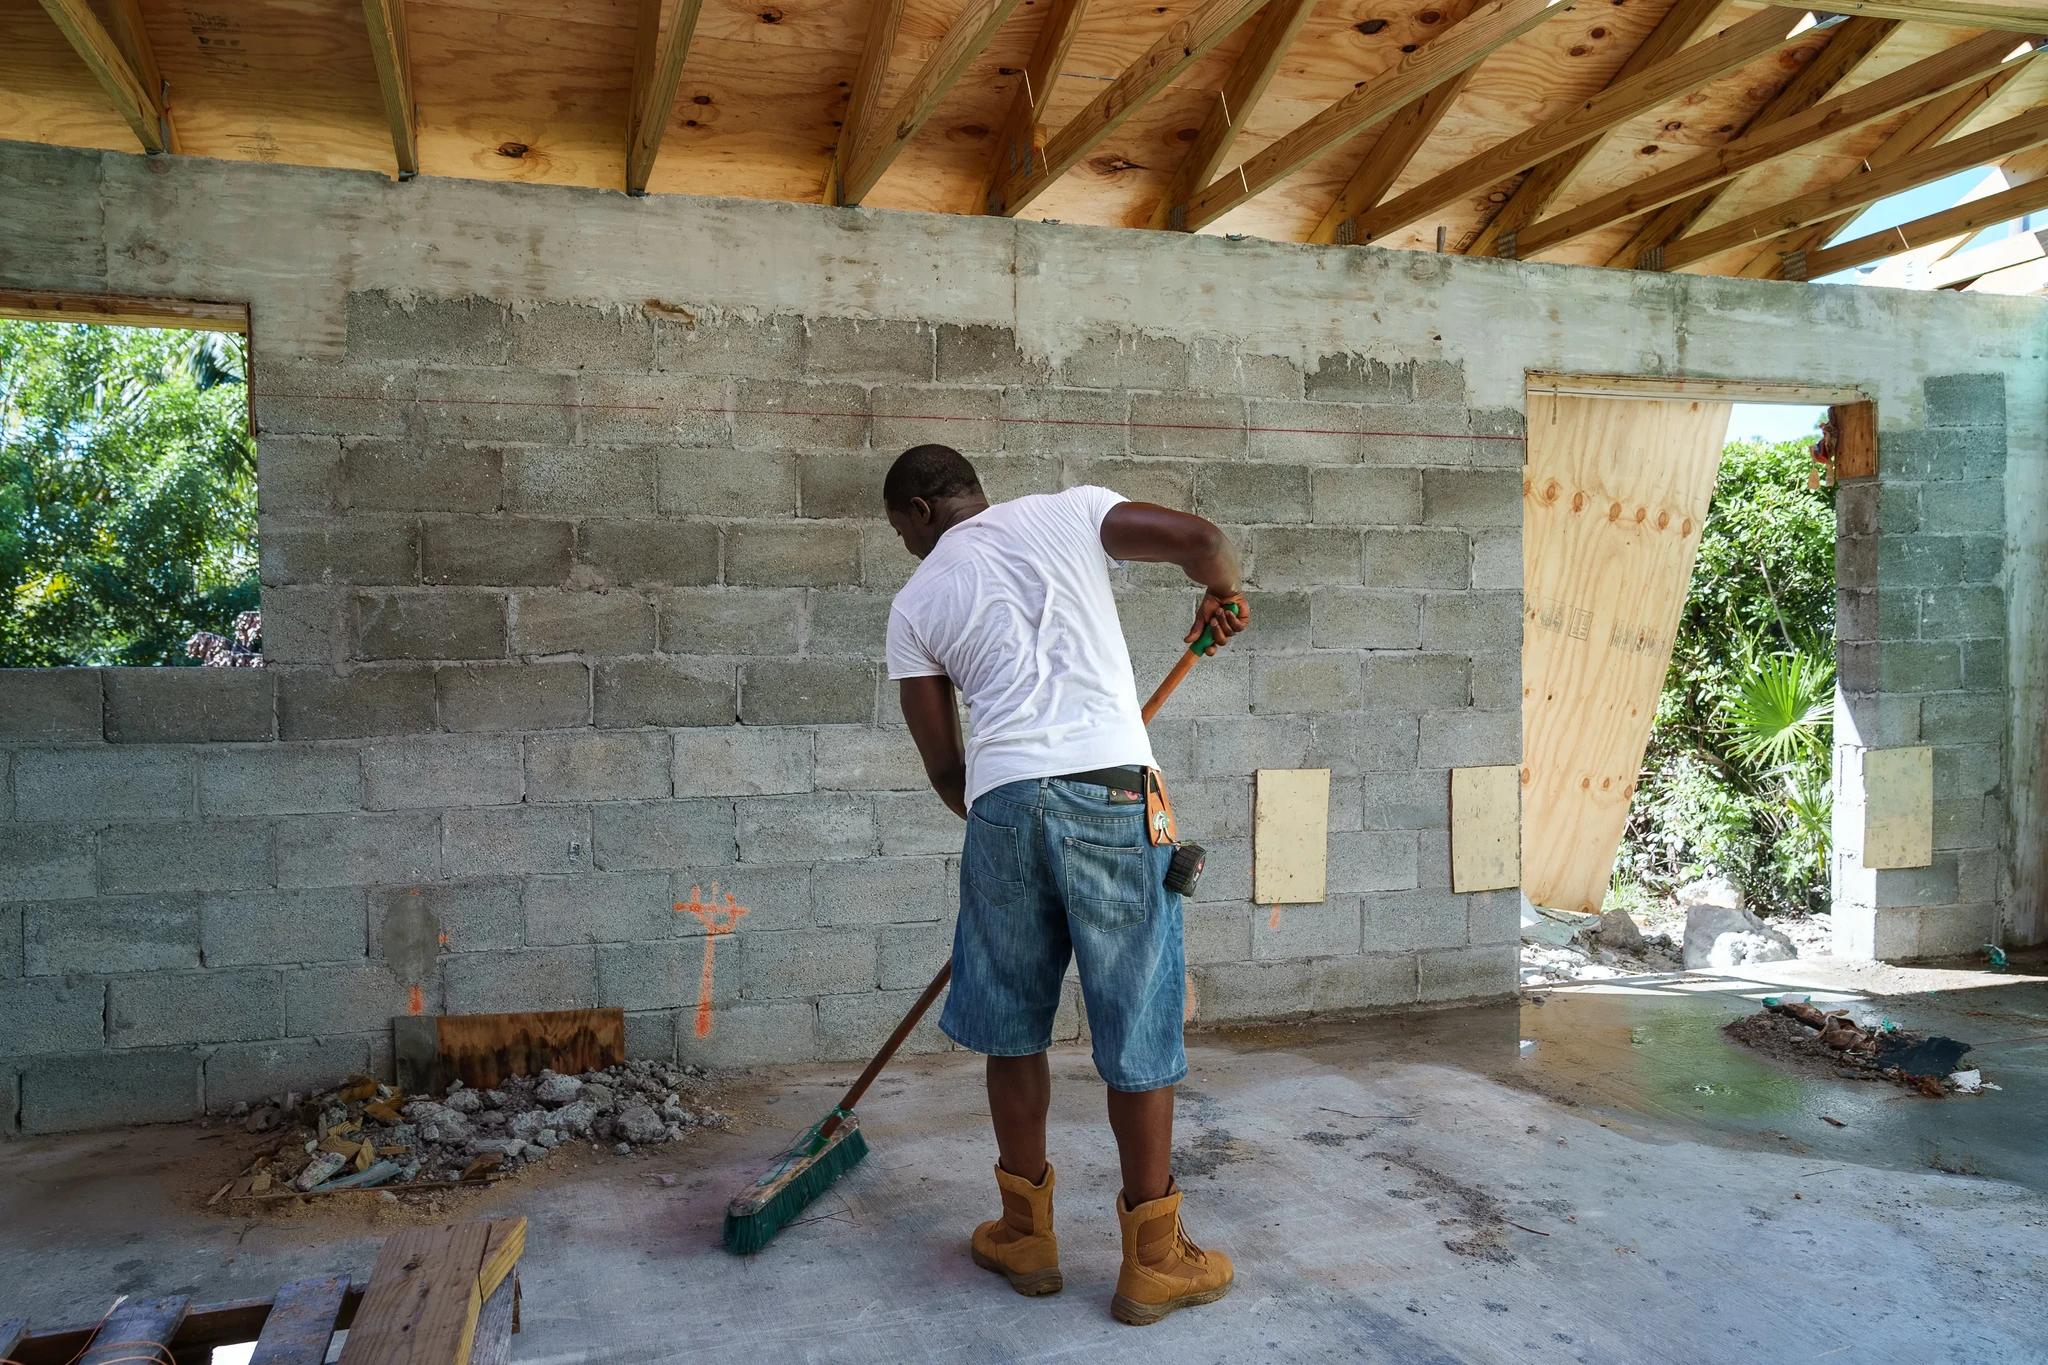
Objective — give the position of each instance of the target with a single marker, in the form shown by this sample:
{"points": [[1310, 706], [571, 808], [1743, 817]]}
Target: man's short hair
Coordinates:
{"points": [[928, 472]]}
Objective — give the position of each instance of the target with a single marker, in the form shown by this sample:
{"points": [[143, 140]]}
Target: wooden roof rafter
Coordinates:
{"points": [[1019, 136], [1962, 221], [657, 73], [1397, 145], [391, 51], [131, 85], [2013, 16], [864, 99]]}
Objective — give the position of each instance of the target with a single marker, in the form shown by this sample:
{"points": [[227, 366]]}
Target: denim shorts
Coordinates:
{"points": [[1054, 869]]}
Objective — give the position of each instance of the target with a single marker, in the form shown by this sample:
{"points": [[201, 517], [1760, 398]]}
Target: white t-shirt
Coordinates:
{"points": [[1014, 605]]}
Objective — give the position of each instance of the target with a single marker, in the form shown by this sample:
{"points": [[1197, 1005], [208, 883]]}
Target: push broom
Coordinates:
{"points": [[834, 1144]]}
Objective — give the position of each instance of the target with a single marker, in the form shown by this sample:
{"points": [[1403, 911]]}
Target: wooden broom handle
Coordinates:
{"points": [[1181, 667]]}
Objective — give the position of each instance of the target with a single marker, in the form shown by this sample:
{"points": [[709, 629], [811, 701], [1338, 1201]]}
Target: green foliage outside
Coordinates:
{"points": [[1736, 780], [127, 492]]}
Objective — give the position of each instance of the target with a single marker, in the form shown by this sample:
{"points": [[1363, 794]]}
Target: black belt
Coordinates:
{"points": [[1127, 779]]}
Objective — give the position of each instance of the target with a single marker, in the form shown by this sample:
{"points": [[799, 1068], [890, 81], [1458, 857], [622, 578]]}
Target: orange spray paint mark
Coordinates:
{"points": [[416, 1001], [1274, 923], [717, 919], [444, 940]]}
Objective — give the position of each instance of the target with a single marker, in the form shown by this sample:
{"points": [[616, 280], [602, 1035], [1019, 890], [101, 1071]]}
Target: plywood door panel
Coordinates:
{"points": [[1613, 497]]}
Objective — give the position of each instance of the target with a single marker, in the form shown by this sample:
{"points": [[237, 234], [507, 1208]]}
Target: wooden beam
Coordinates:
{"points": [[2014, 16], [1690, 387], [1930, 124], [123, 310], [1967, 266], [1181, 46], [391, 53], [1958, 66], [1682, 23], [1848, 49], [1681, 75], [657, 71], [1246, 85], [1482, 32], [882, 143], [1020, 136], [1962, 221], [864, 100], [1978, 149], [1396, 146], [139, 105], [126, 24]]}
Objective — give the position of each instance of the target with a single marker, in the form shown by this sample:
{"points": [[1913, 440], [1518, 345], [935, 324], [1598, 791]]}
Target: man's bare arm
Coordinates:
{"points": [[935, 725], [1159, 535]]}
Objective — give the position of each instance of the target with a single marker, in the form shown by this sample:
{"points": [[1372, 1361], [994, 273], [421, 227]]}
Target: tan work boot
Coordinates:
{"points": [[1020, 1245], [1163, 1270]]}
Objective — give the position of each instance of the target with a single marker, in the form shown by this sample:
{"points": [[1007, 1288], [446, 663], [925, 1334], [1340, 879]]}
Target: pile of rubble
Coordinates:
{"points": [[1792, 1029], [364, 1134], [1559, 946]]}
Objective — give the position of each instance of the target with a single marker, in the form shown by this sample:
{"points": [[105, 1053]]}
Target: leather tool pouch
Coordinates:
{"points": [[1159, 824]]}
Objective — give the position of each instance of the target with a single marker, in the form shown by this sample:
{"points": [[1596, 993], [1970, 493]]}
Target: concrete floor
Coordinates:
{"points": [[1409, 1189]]}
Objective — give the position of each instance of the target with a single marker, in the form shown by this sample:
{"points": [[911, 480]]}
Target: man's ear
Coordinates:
{"points": [[920, 511]]}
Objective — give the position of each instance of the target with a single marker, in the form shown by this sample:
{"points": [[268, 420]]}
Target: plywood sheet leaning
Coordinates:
{"points": [[1486, 828], [1290, 836], [481, 1050], [1613, 498], [1898, 807]]}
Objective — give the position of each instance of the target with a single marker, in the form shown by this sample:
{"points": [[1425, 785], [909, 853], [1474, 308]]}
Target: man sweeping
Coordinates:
{"points": [[1012, 605]]}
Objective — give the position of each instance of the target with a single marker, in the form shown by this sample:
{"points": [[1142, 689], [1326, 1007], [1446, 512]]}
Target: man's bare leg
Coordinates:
{"points": [[1143, 1123], [1019, 1096]]}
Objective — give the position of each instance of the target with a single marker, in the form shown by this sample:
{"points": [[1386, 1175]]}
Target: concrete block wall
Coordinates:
{"points": [[1922, 627]]}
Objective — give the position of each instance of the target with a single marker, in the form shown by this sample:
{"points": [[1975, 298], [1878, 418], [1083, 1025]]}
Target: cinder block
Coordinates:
{"points": [[881, 891], [508, 550], [1372, 982], [1898, 613], [1040, 421], [1917, 666], [323, 399], [1963, 718], [1218, 932], [1355, 618], [1497, 560], [1417, 682], [1919, 561], [1326, 930], [348, 550], [1497, 679], [1219, 367], [526, 696], [306, 625], [410, 922], [1494, 917], [50, 705], [1182, 425], [51, 1014], [865, 759], [101, 1089], [909, 823], [663, 834], [1251, 990], [742, 761], [1304, 433], [354, 999], [807, 692], [466, 331], [1286, 557], [1983, 558], [751, 1034], [102, 783], [561, 336], [842, 484], [297, 475], [848, 624], [1170, 483], [729, 621], [10, 941], [1481, 973], [817, 825], [863, 349], [713, 343], [252, 1072], [1973, 612], [1349, 378], [181, 856], [1472, 621], [1984, 665], [661, 409], [599, 907], [1419, 800], [435, 625], [1282, 619], [279, 779], [772, 897], [1406, 921], [486, 405], [52, 861], [1364, 496], [433, 771], [792, 964], [1314, 684], [851, 1026], [548, 622], [725, 483], [580, 480], [779, 415], [1982, 452], [1966, 770], [648, 976], [190, 705], [1980, 876], [1372, 860], [1471, 739], [1388, 744], [1235, 746], [1934, 884], [511, 840], [355, 850], [985, 355], [1214, 808], [1965, 400], [1417, 559], [969, 420], [179, 1008], [885, 565], [630, 692], [1855, 615], [1247, 494], [909, 955], [1472, 497], [529, 979], [651, 1034], [1438, 381], [597, 767], [1126, 360], [1013, 476], [770, 555], [1955, 930], [399, 476], [318, 704], [262, 928]]}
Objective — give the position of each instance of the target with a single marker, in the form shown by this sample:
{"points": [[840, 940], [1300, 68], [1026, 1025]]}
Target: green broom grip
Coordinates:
{"points": [[1207, 640]]}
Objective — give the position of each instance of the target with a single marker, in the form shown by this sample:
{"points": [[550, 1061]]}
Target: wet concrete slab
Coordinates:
{"points": [[1398, 1189]]}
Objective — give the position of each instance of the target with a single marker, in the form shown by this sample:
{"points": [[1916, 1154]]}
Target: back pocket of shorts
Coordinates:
{"points": [[991, 865], [1106, 887]]}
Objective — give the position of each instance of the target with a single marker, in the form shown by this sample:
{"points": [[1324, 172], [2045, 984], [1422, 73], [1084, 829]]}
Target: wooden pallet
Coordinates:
{"points": [[444, 1296]]}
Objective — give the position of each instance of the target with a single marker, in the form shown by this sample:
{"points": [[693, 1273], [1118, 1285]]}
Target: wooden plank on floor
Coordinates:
{"points": [[301, 1322], [494, 1325], [506, 1244], [136, 1326], [1615, 495], [422, 1304]]}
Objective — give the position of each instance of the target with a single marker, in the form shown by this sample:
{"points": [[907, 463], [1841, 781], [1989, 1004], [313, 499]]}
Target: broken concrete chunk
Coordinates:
{"points": [[319, 1170], [1616, 930], [556, 1089], [1724, 936], [600, 1096], [638, 1123], [464, 1101], [574, 1119]]}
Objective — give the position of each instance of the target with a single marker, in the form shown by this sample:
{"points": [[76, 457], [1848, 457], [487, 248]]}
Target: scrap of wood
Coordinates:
{"points": [[496, 1324], [1855, 440], [506, 1245], [422, 1303], [481, 1050], [301, 1322], [213, 1324], [133, 1323]]}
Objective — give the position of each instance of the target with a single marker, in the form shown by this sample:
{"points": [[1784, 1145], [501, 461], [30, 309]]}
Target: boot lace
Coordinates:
{"points": [[1185, 1245]]}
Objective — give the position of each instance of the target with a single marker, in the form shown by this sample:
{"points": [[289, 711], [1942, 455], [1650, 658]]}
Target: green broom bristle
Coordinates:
{"points": [[751, 1231]]}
